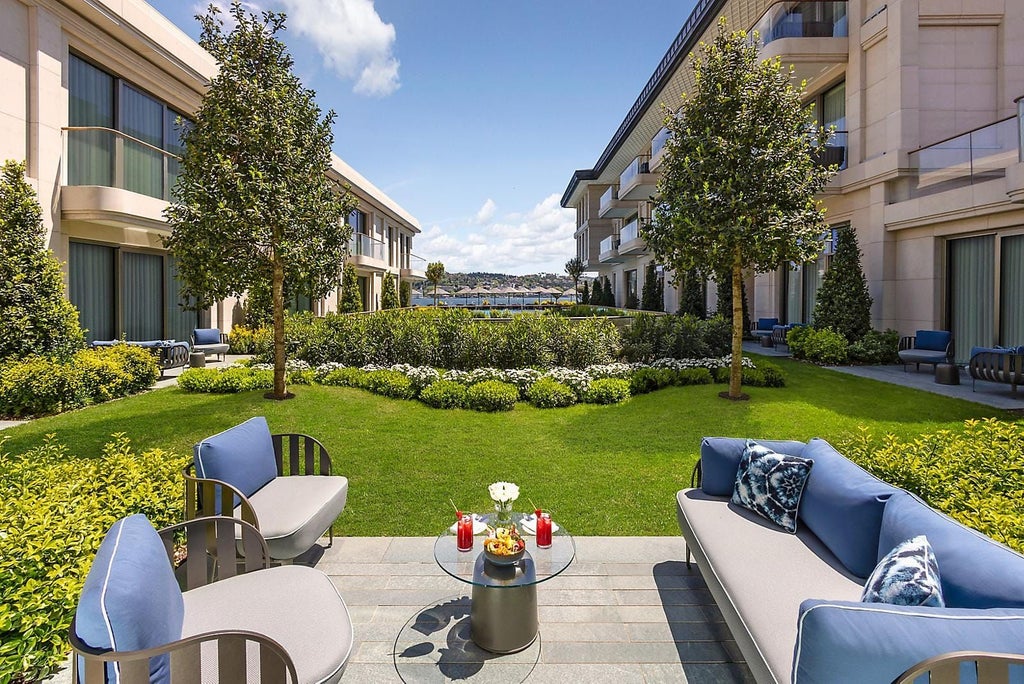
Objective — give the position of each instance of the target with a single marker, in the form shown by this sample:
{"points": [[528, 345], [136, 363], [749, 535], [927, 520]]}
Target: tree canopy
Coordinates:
{"points": [[435, 274], [253, 202], [739, 181], [574, 268]]}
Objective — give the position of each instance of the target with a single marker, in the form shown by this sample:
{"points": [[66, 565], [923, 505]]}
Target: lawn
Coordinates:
{"points": [[602, 470]]}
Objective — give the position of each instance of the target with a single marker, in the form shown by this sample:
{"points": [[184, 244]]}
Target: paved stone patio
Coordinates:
{"points": [[626, 610]]}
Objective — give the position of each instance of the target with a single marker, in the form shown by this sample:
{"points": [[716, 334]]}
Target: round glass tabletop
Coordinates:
{"points": [[536, 565]]}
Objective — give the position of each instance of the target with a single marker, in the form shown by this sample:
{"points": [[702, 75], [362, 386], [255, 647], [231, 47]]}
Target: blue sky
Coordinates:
{"points": [[473, 114]]}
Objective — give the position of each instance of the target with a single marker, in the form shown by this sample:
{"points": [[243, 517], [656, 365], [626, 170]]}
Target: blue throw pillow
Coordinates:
{"points": [[206, 335], [242, 456], [771, 484], [130, 600], [720, 457], [907, 576]]}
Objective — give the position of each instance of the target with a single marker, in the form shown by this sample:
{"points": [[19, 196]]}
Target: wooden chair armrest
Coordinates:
{"points": [[186, 662], [201, 498], [314, 457], [945, 668], [907, 342], [211, 546]]}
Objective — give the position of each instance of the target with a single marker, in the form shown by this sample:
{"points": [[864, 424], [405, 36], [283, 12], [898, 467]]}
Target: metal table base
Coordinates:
{"points": [[504, 619]]}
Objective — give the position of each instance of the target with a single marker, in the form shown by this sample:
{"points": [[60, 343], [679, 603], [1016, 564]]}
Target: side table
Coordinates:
{"points": [[947, 374], [197, 360]]}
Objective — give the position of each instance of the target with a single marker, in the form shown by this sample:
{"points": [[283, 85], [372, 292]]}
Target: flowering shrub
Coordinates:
{"points": [[421, 376], [522, 378], [621, 371], [577, 381]]}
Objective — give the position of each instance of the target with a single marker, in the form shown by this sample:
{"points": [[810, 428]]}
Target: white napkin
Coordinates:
{"points": [[479, 525], [529, 525]]}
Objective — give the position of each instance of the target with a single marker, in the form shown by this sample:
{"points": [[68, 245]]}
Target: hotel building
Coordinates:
{"points": [[924, 97], [93, 91]]}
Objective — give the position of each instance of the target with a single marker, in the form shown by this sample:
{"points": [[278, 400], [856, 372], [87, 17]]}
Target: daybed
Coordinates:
{"points": [[238, 620], [926, 346], [792, 601], [994, 364]]}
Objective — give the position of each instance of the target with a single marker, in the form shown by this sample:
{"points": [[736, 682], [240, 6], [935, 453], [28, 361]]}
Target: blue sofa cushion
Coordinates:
{"points": [[977, 572], [242, 456], [848, 641], [130, 600], [720, 459], [932, 340], [843, 506], [206, 335], [907, 576], [771, 484]]}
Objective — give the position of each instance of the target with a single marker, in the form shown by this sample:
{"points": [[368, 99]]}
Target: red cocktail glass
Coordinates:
{"points": [[544, 531], [464, 533]]}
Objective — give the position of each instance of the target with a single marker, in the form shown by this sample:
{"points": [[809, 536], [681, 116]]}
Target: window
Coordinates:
{"points": [[830, 112], [802, 281], [90, 103], [357, 219]]}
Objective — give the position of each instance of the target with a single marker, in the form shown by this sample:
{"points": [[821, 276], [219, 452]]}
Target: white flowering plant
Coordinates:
{"points": [[503, 494]]}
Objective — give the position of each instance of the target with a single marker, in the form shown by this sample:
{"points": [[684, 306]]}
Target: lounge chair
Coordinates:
{"points": [[238, 619], [292, 501], [926, 346], [210, 341]]}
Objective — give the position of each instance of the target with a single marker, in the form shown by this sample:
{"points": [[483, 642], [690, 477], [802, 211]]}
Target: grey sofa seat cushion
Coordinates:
{"points": [[294, 511], [921, 355], [218, 348], [296, 606], [764, 571]]}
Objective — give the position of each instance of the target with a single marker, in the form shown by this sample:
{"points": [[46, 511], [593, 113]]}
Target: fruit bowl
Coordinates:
{"points": [[504, 546], [504, 559]]}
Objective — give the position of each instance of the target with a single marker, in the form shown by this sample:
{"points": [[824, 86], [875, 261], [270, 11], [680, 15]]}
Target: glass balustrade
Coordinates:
{"points": [[629, 232], [659, 141], [107, 157], [973, 157], [1020, 128], [609, 196], [639, 165], [802, 20], [609, 244], [413, 263], [366, 246]]}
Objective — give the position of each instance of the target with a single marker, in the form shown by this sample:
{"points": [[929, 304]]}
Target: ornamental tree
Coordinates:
{"points": [[37, 318], [253, 203], [844, 303], [351, 297], [574, 267], [585, 296], [739, 180], [435, 274]]}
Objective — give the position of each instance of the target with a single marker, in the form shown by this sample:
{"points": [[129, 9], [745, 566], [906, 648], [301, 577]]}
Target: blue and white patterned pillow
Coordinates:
{"points": [[907, 576], [771, 484]]}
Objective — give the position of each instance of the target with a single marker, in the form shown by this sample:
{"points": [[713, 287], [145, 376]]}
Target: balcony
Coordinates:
{"points": [[834, 152], [658, 148], [630, 241], [413, 267], [610, 250], [113, 178], [1015, 172], [613, 207], [974, 157], [812, 36], [368, 252], [637, 182]]}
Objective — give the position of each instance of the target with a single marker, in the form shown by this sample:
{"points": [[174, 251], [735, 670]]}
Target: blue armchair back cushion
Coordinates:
{"points": [[843, 506], [242, 456], [206, 335], [767, 323], [976, 571], [720, 459], [130, 600], [932, 340]]}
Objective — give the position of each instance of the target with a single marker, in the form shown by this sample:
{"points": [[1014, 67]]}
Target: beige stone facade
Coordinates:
{"points": [[923, 96], [91, 91]]}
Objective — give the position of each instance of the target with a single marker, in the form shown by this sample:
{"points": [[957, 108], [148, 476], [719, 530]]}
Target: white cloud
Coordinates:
{"points": [[353, 40], [539, 240], [486, 212]]}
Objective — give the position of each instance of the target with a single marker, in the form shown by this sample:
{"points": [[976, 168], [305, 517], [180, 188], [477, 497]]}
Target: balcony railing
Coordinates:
{"points": [[659, 141], [973, 157], [610, 195], [639, 165], [802, 20], [834, 151], [107, 157], [1020, 128], [629, 232], [363, 245], [609, 244], [412, 262]]}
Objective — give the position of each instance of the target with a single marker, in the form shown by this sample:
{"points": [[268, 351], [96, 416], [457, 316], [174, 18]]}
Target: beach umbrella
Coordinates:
{"points": [[440, 292], [571, 292], [464, 291]]}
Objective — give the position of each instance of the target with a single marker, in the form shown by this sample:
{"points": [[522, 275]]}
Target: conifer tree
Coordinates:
{"points": [[653, 295], [351, 299], [692, 296], [585, 297], [844, 303], [597, 294], [388, 293], [405, 294], [609, 293]]}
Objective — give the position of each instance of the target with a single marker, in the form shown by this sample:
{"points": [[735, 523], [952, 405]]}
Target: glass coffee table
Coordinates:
{"points": [[503, 614]]}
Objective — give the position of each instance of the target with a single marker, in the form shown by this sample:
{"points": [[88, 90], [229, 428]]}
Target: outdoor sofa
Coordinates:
{"points": [[281, 484], [762, 327], [792, 601], [169, 354], [997, 364], [238, 619], [926, 346]]}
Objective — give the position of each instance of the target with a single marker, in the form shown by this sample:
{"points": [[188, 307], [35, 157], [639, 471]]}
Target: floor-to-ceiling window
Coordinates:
{"points": [[802, 282], [142, 295], [971, 300], [1011, 291], [180, 320], [90, 104], [91, 279]]}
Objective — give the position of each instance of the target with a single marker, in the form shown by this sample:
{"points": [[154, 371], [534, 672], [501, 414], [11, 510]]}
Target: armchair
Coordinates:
{"points": [[237, 619], [210, 341], [926, 346], [292, 501]]}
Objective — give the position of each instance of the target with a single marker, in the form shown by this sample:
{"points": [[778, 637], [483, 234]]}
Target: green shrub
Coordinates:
{"points": [[549, 393], [55, 508], [445, 394], [825, 346], [972, 475], [765, 375], [796, 339], [650, 379], [876, 347], [301, 377], [225, 380], [241, 340], [585, 311], [607, 391], [692, 376], [345, 377], [679, 337], [492, 396], [390, 383]]}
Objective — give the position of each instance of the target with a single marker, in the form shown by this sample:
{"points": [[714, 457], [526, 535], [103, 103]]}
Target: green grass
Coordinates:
{"points": [[600, 469]]}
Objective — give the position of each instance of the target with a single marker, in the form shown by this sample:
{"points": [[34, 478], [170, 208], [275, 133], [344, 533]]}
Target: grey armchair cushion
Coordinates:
{"points": [[294, 605], [294, 511]]}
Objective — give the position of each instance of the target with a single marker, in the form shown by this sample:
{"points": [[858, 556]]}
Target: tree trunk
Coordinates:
{"points": [[279, 360], [736, 367]]}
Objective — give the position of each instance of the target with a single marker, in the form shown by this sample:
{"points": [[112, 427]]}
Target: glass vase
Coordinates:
{"points": [[503, 514]]}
